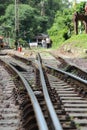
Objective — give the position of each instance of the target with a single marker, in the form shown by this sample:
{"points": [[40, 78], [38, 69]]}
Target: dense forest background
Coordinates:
{"points": [[53, 17]]}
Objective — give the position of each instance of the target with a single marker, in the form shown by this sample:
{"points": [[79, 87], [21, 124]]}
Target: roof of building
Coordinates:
{"points": [[41, 36]]}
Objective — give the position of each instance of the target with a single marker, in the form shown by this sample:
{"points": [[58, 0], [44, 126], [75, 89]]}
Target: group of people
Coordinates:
{"points": [[46, 43]]}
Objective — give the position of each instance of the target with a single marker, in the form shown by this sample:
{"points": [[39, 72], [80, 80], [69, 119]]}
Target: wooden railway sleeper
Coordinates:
{"points": [[80, 90], [62, 113], [33, 127], [84, 94], [37, 77], [69, 81], [30, 123], [54, 96], [75, 87], [31, 119], [67, 124], [64, 118], [28, 113], [68, 127], [42, 103], [27, 107], [24, 104]]}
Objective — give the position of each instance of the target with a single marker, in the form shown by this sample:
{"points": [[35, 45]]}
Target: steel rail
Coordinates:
{"points": [[68, 74], [38, 112], [72, 65], [53, 115]]}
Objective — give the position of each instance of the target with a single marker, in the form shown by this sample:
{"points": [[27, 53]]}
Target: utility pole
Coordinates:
{"points": [[16, 19]]}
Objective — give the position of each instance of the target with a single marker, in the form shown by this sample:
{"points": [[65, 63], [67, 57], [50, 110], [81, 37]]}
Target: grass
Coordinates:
{"points": [[79, 41]]}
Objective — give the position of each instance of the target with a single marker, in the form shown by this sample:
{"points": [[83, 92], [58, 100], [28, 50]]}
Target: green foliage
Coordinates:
{"points": [[22, 42], [58, 39], [36, 16], [80, 7], [62, 27], [79, 41], [3, 5], [27, 18], [30, 22]]}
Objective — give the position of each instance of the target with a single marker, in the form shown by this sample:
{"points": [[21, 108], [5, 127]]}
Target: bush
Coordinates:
{"points": [[22, 42]]}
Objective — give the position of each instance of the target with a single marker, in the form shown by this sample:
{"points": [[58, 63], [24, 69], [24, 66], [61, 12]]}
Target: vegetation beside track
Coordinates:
{"points": [[75, 44], [79, 41]]}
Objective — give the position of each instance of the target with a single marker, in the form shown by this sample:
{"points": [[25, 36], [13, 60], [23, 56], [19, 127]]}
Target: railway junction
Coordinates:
{"points": [[42, 91]]}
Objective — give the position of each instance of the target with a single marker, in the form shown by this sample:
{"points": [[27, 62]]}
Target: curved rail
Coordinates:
{"points": [[68, 74], [39, 115], [55, 120]]}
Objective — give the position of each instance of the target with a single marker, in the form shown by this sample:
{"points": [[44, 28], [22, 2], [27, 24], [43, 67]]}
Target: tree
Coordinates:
{"points": [[62, 26], [80, 7], [30, 22], [47, 7], [4, 4], [35, 16]]}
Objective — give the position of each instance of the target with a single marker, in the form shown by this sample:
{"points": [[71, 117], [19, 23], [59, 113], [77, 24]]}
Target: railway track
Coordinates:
{"points": [[71, 90], [63, 64], [23, 103], [25, 99], [65, 92], [9, 113]]}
